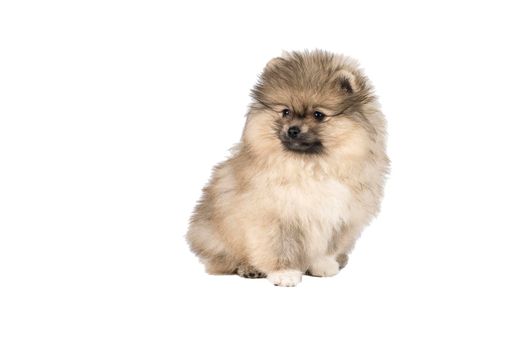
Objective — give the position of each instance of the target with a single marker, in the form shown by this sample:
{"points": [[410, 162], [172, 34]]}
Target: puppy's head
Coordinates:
{"points": [[310, 104]]}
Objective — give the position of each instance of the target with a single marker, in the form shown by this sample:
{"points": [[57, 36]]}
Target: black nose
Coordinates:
{"points": [[293, 131]]}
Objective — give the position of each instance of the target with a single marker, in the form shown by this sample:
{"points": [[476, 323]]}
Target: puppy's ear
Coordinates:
{"points": [[274, 62], [347, 82]]}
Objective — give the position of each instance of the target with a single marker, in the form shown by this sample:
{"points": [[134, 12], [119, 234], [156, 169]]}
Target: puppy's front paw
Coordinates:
{"points": [[285, 278], [324, 267]]}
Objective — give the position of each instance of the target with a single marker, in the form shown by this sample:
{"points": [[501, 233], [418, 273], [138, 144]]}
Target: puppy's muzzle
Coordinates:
{"points": [[301, 142]]}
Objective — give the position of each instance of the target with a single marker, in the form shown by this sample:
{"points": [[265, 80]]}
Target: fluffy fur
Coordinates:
{"points": [[290, 202]]}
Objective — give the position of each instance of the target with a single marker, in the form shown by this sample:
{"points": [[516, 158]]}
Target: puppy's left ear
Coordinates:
{"points": [[347, 82]]}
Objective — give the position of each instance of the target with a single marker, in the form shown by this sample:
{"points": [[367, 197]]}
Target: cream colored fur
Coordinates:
{"points": [[284, 214]]}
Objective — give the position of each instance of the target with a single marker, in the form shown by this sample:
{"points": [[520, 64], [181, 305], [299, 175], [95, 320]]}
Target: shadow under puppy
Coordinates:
{"points": [[305, 179]]}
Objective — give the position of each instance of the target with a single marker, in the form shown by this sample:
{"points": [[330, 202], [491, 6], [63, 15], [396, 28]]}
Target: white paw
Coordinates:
{"points": [[324, 267], [285, 278]]}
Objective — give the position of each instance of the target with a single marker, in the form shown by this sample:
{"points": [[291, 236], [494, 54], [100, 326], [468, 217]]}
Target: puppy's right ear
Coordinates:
{"points": [[274, 62]]}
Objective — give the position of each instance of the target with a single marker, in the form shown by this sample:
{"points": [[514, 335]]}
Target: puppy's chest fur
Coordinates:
{"points": [[314, 202], [319, 205]]}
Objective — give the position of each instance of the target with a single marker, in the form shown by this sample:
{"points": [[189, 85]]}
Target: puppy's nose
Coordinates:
{"points": [[294, 131]]}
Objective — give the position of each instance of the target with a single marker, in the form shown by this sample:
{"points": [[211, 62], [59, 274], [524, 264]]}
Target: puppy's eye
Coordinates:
{"points": [[319, 116], [285, 112]]}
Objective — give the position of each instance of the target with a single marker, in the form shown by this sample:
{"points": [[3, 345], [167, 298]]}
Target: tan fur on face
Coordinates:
{"points": [[270, 209]]}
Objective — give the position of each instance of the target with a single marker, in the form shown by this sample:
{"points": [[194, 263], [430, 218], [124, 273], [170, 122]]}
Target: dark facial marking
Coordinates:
{"points": [[303, 143]]}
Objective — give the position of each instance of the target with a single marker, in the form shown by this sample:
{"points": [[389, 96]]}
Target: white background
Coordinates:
{"points": [[112, 115]]}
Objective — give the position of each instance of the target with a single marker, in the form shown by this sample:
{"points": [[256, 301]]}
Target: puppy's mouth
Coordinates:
{"points": [[305, 145]]}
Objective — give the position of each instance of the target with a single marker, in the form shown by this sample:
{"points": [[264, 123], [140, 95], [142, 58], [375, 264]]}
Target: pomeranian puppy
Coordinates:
{"points": [[305, 179]]}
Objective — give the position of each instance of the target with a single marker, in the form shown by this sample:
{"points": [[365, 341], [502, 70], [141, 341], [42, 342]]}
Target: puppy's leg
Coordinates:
{"points": [[279, 252], [342, 242], [222, 264], [342, 260], [324, 266], [213, 253]]}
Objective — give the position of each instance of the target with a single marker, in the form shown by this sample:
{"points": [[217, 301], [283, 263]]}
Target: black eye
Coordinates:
{"points": [[318, 116], [285, 112]]}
